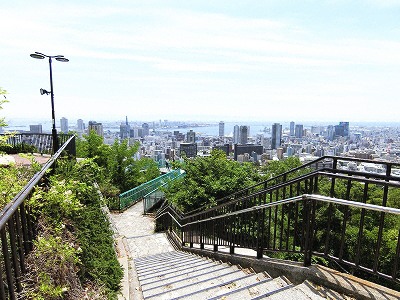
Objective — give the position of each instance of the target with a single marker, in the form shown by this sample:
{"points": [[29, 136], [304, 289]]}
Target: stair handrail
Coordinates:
{"points": [[309, 201], [284, 175]]}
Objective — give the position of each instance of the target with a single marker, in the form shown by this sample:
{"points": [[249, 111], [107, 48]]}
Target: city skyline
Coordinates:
{"points": [[203, 61]]}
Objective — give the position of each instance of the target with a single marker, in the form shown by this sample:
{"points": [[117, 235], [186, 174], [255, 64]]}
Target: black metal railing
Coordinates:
{"points": [[346, 217], [325, 163], [17, 231], [39, 142]]}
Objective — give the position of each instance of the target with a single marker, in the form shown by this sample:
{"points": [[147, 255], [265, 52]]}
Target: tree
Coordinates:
{"points": [[2, 120], [2, 101], [208, 179], [126, 171], [274, 168], [92, 146]]}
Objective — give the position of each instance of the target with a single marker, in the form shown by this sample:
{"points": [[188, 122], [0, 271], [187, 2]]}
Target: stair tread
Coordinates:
{"points": [[210, 271]]}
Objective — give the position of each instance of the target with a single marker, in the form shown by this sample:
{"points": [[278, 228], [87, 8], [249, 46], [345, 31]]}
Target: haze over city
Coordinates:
{"points": [[202, 60]]}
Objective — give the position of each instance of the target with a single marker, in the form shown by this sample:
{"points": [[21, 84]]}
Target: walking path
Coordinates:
{"points": [[136, 239]]}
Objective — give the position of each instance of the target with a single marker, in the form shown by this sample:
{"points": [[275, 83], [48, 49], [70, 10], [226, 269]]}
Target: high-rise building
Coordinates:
{"points": [[64, 125], [221, 129], [244, 132], [236, 134], [292, 128], [298, 131], [191, 137], [35, 128], [345, 126], [330, 132], [97, 127], [276, 135], [124, 130], [80, 125], [146, 129]]}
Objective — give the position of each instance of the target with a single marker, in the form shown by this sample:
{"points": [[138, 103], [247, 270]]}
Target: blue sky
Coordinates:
{"points": [[201, 60]]}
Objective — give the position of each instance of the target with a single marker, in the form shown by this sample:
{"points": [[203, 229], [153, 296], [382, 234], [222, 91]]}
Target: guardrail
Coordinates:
{"points": [[17, 231], [351, 226], [42, 142], [325, 163], [132, 196]]}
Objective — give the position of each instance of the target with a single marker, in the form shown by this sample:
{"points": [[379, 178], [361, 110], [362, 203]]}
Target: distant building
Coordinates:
{"points": [[242, 149], [97, 127], [224, 148], [221, 128], [188, 149], [80, 125], [276, 137], [64, 125], [146, 129], [244, 132], [35, 128], [330, 133], [345, 126], [236, 134], [298, 132], [191, 137], [292, 128], [125, 130]]}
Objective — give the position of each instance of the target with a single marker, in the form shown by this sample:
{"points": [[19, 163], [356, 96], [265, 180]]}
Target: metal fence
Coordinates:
{"points": [[42, 142], [132, 196], [17, 231], [339, 215]]}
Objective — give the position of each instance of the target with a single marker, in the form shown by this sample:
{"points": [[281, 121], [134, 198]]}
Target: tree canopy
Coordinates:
{"points": [[118, 162], [208, 179]]}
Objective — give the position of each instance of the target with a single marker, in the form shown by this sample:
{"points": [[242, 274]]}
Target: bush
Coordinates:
{"points": [[74, 232]]}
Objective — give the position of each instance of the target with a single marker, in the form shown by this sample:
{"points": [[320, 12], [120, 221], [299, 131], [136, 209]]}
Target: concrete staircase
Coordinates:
{"points": [[181, 275]]}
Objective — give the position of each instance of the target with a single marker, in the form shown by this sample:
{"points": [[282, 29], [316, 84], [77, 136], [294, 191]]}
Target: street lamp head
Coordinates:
{"points": [[37, 55], [61, 58]]}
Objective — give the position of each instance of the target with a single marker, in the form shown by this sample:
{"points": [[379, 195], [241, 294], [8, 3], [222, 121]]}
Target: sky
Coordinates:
{"points": [[203, 60]]}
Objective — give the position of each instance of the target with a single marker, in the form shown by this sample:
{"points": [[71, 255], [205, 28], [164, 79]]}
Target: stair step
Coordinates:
{"points": [[210, 271], [211, 288], [166, 265], [191, 282], [162, 258], [175, 271], [252, 290]]}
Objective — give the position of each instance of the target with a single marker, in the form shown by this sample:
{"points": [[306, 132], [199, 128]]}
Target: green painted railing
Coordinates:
{"points": [[132, 196]]}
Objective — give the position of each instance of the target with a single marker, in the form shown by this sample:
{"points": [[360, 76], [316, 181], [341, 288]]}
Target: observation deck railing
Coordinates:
{"points": [[42, 142]]}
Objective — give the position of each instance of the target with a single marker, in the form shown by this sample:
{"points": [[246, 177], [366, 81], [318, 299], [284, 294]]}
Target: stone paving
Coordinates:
{"points": [[138, 229]]}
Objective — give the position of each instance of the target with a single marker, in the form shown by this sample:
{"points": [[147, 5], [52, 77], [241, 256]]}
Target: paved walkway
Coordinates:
{"points": [[136, 238], [139, 232], [23, 160]]}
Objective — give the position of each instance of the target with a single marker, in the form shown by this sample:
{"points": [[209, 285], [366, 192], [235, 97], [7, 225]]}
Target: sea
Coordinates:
{"points": [[201, 128]]}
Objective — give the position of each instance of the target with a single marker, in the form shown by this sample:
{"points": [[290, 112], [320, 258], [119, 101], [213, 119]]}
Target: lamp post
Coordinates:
{"points": [[61, 58]]}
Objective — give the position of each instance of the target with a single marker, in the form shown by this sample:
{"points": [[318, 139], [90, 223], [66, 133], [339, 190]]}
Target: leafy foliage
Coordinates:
{"points": [[117, 162], [12, 180], [208, 179], [70, 211]]}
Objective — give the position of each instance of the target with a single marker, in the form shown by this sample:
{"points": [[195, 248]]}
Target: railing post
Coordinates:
{"points": [[307, 241], [260, 234], [7, 264], [382, 218]]}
